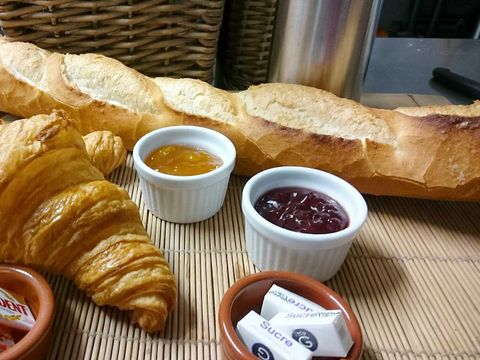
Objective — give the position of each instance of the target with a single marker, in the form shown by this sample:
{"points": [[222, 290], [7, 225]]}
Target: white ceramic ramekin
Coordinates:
{"points": [[184, 199], [271, 247]]}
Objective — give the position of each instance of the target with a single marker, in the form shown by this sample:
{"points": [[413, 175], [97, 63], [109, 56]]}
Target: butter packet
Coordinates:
{"points": [[6, 339], [14, 311]]}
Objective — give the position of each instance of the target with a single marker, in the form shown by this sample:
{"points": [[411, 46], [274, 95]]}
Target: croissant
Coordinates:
{"points": [[59, 214], [105, 150]]}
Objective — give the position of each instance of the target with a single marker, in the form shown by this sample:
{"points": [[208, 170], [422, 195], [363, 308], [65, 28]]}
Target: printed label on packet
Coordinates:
{"points": [[279, 299], [14, 311], [325, 333], [268, 343], [6, 339]]}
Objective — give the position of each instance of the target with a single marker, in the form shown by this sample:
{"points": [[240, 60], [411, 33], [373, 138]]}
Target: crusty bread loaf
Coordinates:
{"points": [[472, 110], [98, 92], [408, 152]]}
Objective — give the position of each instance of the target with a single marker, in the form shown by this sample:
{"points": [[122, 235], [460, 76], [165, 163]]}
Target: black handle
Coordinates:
{"points": [[457, 82]]}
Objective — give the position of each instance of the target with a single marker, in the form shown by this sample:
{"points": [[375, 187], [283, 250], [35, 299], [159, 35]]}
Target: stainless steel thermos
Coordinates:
{"points": [[323, 43]]}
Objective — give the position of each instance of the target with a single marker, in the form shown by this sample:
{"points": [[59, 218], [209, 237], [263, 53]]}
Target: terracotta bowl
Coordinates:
{"points": [[247, 294], [37, 291]]}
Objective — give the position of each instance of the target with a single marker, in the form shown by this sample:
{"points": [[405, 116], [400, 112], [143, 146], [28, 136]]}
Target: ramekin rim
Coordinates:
{"points": [[144, 169], [277, 233]]}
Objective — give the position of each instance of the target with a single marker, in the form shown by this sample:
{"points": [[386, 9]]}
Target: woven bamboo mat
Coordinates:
{"points": [[412, 277]]}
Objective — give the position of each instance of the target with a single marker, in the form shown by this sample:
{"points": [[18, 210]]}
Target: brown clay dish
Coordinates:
{"points": [[37, 291], [247, 294]]}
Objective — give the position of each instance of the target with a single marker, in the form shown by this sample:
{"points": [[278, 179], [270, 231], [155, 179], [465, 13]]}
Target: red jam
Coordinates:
{"points": [[302, 210]]}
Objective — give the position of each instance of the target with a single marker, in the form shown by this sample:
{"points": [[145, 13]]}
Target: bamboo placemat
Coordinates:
{"points": [[412, 277]]}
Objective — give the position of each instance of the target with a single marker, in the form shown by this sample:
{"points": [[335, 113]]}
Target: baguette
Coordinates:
{"points": [[97, 92], [427, 152]]}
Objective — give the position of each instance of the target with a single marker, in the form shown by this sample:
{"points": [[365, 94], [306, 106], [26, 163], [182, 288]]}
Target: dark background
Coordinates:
{"points": [[429, 18]]}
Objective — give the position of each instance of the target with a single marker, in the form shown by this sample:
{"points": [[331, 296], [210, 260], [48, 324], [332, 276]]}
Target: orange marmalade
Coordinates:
{"points": [[182, 160]]}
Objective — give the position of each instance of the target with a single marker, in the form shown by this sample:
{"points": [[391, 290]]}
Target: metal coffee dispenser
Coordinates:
{"points": [[320, 43]]}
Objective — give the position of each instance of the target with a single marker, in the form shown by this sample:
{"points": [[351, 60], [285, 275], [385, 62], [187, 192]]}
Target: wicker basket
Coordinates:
{"points": [[246, 41], [176, 38]]}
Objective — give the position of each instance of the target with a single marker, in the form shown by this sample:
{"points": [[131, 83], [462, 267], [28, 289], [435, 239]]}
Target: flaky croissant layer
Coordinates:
{"points": [[58, 213]]}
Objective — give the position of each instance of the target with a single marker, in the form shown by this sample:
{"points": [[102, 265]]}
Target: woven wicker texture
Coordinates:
{"points": [[176, 38], [412, 277], [246, 42]]}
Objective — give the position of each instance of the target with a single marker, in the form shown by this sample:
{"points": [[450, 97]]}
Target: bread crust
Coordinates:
{"points": [[92, 114], [194, 99], [427, 152], [471, 110], [18, 96]]}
